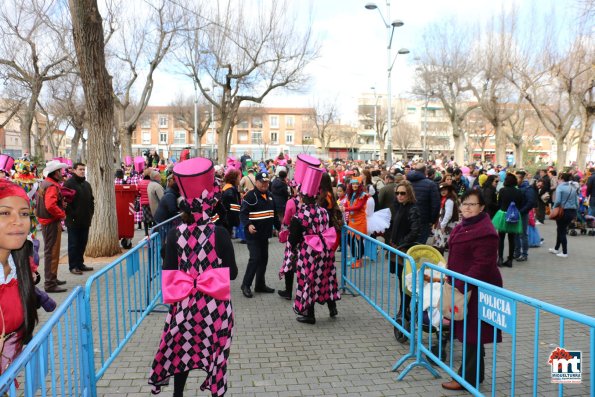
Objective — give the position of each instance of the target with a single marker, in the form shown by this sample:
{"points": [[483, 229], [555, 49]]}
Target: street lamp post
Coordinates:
{"points": [[196, 118], [390, 28], [213, 125]]}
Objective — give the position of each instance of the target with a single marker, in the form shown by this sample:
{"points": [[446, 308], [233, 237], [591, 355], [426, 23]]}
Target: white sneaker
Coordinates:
{"points": [[561, 255], [553, 251]]}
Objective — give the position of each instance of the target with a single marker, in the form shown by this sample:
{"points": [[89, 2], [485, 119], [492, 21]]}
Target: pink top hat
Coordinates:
{"points": [[128, 160], [303, 162], [311, 181], [233, 163], [194, 176], [6, 162], [139, 164]]}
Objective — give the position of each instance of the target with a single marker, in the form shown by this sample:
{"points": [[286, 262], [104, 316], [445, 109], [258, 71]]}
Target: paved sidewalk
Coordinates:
{"points": [[273, 355], [351, 355]]}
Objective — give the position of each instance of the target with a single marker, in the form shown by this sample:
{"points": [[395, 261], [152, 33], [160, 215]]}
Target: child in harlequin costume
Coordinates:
{"points": [[312, 239], [18, 299], [198, 265]]}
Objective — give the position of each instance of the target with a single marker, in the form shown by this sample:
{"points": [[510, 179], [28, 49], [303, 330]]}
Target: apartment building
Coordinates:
{"points": [[264, 132]]}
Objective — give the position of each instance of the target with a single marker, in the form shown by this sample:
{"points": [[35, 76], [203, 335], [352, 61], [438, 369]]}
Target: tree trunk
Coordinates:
{"points": [[518, 155], [74, 144], [500, 144], [89, 46], [29, 115], [459, 151], [84, 150], [561, 153], [585, 139], [125, 142], [380, 141]]}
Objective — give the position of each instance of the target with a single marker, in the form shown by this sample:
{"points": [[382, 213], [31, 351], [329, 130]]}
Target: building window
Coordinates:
{"points": [[179, 137], [145, 122], [256, 137], [274, 121], [411, 110], [243, 124], [146, 138], [242, 136], [274, 137], [289, 137], [256, 122], [133, 136], [163, 137], [289, 121], [162, 121], [307, 140]]}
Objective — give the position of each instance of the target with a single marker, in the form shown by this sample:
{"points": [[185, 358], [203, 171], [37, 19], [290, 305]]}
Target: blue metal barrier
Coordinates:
{"points": [[375, 283], [503, 309], [54, 362]]}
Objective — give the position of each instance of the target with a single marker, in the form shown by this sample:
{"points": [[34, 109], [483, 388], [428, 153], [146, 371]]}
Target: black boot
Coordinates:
{"points": [[309, 317], [500, 261], [288, 287], [508, 262], [332, 308]]}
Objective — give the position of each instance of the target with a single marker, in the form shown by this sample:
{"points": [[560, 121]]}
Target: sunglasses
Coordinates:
{"points": [[401, 193]]}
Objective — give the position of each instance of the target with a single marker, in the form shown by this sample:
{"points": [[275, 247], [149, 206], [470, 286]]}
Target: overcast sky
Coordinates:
{"points": [[354, 39]]}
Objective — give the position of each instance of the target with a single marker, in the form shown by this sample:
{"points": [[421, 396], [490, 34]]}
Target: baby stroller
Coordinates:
{"points": [[579, 225], [590, 220], [423, 253]]}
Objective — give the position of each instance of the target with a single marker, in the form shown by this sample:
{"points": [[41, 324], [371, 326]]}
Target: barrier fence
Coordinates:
{"points": [[366, 270], [526, 324], [72, 351], [55, 361]]}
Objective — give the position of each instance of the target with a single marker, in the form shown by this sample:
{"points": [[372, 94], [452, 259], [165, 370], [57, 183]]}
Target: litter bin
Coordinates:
{"points": [[125, 198]]}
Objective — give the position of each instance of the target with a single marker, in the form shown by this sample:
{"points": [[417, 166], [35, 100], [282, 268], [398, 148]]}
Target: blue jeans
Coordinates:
{"points": [[522, 240]]}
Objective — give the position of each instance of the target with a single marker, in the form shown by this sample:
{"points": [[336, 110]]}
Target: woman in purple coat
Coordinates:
{"points": [[473, 251]]}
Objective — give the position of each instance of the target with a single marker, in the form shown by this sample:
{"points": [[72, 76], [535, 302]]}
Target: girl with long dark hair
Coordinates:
{"points": [[18, 300]]}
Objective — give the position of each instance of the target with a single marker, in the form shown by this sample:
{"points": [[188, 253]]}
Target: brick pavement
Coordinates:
{"points": [[351, 355]]}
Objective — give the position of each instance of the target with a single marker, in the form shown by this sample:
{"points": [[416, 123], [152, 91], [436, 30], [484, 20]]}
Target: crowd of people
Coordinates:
{"points": [[469, 212]]}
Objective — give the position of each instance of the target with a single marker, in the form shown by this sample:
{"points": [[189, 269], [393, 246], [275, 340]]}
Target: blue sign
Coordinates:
{"points": [[497, 310]]}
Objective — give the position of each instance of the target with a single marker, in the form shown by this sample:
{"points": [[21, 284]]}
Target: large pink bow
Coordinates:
{"points": [[177, 285], [314, 241]]}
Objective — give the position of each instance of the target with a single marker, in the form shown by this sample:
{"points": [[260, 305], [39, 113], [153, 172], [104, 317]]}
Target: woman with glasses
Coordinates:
{"points": [[507, 195], [405, 231], [472, 252]]}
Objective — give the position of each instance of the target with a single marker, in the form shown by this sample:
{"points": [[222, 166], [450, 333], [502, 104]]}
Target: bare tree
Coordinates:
{"points": [[33, 51], [478, 134], [140, 43], [244, 55], [550, 88], [69, 104], [183, 112], [407, 136], [89, 44], [490, 87], [324, 115], [446, 68]]}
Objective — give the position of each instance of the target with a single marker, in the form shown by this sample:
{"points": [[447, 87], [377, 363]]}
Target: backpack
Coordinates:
{"points": [[512, 213]]}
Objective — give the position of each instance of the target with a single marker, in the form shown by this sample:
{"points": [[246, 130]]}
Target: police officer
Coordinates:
{"points": [[258, 217]]}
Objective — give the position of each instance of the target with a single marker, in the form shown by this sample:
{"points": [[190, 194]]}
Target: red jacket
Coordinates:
{"points": [[142, 189], [52, 210]]}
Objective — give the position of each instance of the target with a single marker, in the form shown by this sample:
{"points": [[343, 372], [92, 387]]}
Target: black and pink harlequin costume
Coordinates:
{"points": [[309, 248], [199, 262]]}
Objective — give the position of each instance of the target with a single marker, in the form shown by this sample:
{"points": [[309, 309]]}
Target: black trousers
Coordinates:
{"points": [[562, 228], [471, 363], [77, 243], [257, 264], [511, 244]]}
